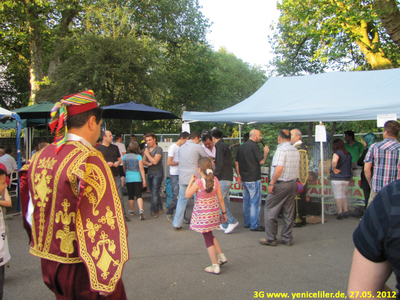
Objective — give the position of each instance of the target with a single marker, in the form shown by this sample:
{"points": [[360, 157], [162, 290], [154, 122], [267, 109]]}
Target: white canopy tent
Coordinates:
{"points": [[335, 96]]}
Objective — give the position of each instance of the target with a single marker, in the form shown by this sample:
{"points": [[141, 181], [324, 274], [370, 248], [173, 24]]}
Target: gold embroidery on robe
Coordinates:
{"points": [[303, 170], [91, 229], [67, 159], [41, 190], [105, 259], [106, 232], [95, 179], [67, 237], [108, 218], [47, 163], [100, 252]]}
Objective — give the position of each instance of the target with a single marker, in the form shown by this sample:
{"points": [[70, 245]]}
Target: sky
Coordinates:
{"points": [[242, 27]]}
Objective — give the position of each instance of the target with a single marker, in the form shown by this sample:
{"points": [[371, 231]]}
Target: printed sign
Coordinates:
{"points": [[314, 188]]}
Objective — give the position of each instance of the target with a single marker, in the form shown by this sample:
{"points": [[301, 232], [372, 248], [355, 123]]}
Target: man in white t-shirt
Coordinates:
{"points": [[7, 160], [173, 162], [122, 152]]}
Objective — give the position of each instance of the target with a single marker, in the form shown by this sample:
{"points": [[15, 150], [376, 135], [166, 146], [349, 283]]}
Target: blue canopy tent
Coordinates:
{"points": [[5, 116]]}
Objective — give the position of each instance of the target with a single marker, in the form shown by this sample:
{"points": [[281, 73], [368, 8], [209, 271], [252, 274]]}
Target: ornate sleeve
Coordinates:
{"points": [[100, 224]]}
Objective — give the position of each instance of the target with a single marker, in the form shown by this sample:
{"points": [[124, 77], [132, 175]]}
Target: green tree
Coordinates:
{"points": [[313, 36], [200, 79], [34, 32]]}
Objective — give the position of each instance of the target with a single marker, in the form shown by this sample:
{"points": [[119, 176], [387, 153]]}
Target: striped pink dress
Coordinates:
{"points": [[205, 216]]}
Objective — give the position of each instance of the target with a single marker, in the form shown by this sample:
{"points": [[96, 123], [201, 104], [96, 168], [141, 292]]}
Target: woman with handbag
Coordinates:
{"points": [[340, 175]]}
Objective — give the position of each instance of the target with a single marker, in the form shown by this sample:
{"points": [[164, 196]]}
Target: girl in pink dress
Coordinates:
{"points": [[206, 216]]}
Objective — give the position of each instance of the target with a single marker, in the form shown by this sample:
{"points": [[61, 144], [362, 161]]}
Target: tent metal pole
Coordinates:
{"points": [[47, 132], [322, 179], [131, 130], [240, 134]]}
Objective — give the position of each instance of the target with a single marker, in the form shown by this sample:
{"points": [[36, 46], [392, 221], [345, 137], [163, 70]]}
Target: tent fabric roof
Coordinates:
{"points": [[40, 110], [334, 96], [136, 111]]}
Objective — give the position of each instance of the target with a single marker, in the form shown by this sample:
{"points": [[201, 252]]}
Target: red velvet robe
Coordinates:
{"points": [[77, 215]]}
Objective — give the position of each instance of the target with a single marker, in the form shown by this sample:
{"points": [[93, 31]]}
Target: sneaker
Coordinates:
{"points": [[346, 214], [231, 227], [127, 219], [222, 259], [178, 228], [160, 212], [214, 269], [170, 218], [221, 227], [154, 215], [131, 212], [339, 216], [186, 221], [141, 215]]}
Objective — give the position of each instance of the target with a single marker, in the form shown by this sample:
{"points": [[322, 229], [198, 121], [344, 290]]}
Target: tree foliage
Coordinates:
{"points": [[33, 32], [313, 36]]}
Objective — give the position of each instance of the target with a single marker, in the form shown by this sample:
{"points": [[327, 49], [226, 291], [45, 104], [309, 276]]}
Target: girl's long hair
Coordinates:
{"points": [[338, 144], [204, 163], [133, 147]]}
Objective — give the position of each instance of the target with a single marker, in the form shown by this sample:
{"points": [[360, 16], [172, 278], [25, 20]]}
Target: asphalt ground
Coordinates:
{"points": [[169, 264]]}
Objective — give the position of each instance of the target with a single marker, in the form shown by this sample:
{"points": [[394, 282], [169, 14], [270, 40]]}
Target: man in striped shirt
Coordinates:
{"points": [[382, 160], [281, 191]]}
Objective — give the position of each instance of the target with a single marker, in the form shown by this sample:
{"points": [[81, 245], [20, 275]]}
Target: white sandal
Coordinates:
{"points": [[222, 259], [214, 269]]}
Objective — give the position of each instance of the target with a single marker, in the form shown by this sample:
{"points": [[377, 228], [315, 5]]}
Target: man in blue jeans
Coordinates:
{"points": [[173, 163], [153, 159], [248, 168], [224, 172], [189, 154]]}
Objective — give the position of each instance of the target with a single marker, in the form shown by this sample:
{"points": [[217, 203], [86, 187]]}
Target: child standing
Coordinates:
{"points": [[206, 216], [5, 200]]}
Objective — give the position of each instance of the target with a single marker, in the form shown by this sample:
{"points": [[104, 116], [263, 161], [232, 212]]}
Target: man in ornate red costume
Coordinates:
{"points": [[71, 208]]}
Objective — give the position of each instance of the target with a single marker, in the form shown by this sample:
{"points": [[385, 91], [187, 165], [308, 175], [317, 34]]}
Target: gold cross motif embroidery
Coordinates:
{"points": [[67, 237]]}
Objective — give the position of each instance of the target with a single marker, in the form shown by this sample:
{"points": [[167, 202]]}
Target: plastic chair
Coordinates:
{"points": [[13, 182]]}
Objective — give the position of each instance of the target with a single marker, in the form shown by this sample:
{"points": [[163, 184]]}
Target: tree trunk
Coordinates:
{"points": [[389, 14], [66, 18], [36, 50], [376, 57]]}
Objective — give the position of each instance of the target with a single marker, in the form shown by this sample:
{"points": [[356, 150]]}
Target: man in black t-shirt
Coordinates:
{"points": [[113, 158], [377, 241], [248, 169]]}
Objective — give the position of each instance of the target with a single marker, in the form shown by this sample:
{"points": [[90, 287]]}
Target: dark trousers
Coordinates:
{"points": [[367, 193], [301, 206], [1, 281]]}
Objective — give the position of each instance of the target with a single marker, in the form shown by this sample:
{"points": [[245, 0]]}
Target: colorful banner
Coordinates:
{"points": [[313, 190]]}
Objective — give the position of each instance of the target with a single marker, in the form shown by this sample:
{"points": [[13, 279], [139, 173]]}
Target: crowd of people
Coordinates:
{"points": [[74, 214]]}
